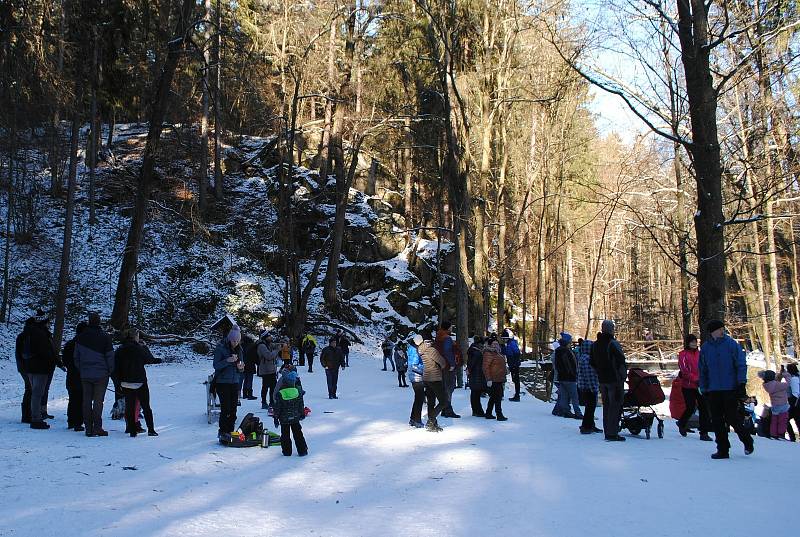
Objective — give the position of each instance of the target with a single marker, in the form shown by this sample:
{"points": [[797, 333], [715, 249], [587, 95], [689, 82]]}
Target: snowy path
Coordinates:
{"points": [[368, 473]]}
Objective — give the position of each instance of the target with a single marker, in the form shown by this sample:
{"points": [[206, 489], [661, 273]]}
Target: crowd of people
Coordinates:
{"points": [[712, 376], [90, 362]]}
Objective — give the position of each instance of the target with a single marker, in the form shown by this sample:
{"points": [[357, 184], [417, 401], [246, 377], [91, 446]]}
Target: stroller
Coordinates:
{"points": [[644, 390]]}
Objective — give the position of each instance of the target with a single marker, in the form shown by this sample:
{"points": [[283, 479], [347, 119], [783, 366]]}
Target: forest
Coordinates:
{"points": [[474, 119]]}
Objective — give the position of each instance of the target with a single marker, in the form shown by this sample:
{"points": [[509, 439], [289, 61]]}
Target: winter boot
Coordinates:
{"points": [[39, 425], [152, 432], [720, 455], [433, 426], [515, 398], [501, 417], [489, 416], [704, 437]]}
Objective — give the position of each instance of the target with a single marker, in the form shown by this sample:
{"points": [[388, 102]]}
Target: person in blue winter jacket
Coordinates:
{"points": [[415, 371], [228, 370], [723, 378], [513, 358]]}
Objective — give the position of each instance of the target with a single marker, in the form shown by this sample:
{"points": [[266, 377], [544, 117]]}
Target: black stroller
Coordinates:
{"points": [[644, 391]]}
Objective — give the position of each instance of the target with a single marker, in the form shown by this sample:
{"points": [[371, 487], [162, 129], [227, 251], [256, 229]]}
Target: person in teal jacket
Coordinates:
{"points": [[723, 378]]}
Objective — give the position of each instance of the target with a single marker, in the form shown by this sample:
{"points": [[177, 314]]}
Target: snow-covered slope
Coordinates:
{"points": [[368, 473]]}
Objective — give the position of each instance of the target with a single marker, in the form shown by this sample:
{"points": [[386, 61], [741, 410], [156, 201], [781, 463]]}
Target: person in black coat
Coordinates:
{"points": [[74, 387], [130, 359], [477, 381], [40, 359]]}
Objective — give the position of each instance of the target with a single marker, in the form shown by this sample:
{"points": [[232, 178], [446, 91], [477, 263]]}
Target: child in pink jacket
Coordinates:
{"points": [[778, 391]]}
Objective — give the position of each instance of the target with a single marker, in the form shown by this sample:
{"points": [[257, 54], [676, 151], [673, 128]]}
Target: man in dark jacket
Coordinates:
{"points": [[332, 359], [567, 368], [289, 411], [40, 358], [723, 379], [477, 382], [130, 359], [609, 362], [344, 345], [444, 345], [94, 358], [74, 387], [250, 347], [22, 355]]}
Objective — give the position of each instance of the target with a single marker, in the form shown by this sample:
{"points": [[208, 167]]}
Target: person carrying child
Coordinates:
{"points": [[778, 391], [289, 411]]}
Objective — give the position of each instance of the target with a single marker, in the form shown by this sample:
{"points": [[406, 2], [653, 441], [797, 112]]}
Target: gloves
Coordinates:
{"points": [[231, 359], [741, 391], [489, 383]]}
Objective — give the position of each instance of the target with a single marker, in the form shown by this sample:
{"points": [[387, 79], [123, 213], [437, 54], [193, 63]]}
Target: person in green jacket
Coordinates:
{"points": [[289, 411]]}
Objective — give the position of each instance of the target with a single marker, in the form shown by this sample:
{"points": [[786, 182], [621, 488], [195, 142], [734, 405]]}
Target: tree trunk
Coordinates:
{"points": [[66, 248], [158, 111], [94, 136], [219, 189], [705, 150], [202, 179], [12, 151]]}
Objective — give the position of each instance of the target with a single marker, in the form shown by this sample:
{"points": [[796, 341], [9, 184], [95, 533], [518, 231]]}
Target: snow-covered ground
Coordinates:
{"points": [[368, 473]]}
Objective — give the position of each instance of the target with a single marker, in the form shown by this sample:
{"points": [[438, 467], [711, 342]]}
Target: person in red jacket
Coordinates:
{"points": [[690, 377]]}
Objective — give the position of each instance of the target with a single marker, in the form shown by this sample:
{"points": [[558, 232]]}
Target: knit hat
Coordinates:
{"points": [[94, 319], [477, 340], [767, 376], [235, 336], [608, 327], [417, 339], [714, 325], [40, 316], [566, 337], [290, 377]]}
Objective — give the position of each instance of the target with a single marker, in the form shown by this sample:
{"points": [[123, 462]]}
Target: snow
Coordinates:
{"points": [[368, 473]]}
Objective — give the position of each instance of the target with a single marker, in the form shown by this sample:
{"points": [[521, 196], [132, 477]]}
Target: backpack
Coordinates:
{"points": [[251, 424], [308, 345]]}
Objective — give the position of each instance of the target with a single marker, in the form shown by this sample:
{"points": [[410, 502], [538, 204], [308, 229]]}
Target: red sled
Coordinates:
{"points": [[677, 404]]}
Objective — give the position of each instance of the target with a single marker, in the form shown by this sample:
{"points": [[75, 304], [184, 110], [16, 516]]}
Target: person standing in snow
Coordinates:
{"points": [[477, 382], [74, 388], [344, 345], [608, 360], [416, 371], [250, 366], [401, 361], [444, 346], [40, 361], [308, 347], [289, 412], [22, 353], [94, 358], [778, 391], [514, 359], [331, 360], [228, 368], [130, 359], [688, 360], [794, 400], [267, 358], [567, 367], [387, 347], [588, 385], [433, 365], [723, 380], [495, 371]]}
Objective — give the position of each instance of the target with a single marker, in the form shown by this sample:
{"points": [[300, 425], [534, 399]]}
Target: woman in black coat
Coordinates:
{"points": [[477, 382], [130, 360]]}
